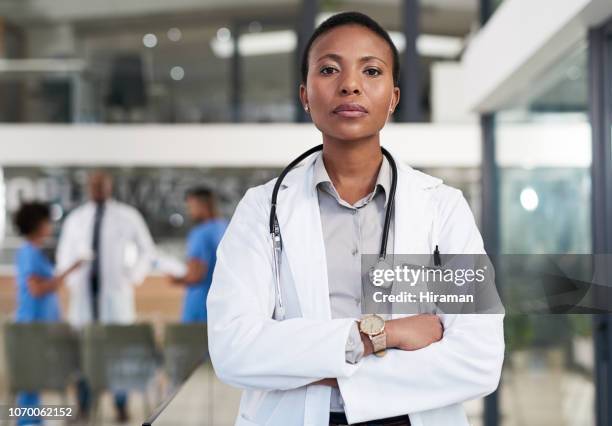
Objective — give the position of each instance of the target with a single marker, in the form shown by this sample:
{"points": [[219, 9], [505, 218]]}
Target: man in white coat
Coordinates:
{"points": [[118, 241]]}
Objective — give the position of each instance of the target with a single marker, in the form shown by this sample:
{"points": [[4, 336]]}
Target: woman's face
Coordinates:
{"points": [[349, 89], [44, 229]]}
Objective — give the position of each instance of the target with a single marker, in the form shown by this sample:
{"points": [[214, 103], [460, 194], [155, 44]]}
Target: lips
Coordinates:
{"points": [[350, 110]]}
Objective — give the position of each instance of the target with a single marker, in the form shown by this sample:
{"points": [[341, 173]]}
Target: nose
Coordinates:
{"points": [[350, 84]]}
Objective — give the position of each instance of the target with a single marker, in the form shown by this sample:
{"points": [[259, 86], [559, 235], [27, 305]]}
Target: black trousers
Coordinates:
{"points": [[339, 419]]}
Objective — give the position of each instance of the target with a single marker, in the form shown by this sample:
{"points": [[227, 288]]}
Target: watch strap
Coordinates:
{"points": [[379, 342]]}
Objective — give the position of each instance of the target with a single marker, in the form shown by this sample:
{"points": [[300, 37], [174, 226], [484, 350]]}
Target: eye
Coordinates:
{"points": [[327, 70], [373, 72]]}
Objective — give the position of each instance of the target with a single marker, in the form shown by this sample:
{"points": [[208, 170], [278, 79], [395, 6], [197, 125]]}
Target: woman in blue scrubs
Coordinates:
{"points": [[202, 243], [37, 284]]}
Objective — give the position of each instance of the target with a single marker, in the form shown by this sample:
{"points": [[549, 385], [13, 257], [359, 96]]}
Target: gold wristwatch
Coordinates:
{"points": [[374, 326]]}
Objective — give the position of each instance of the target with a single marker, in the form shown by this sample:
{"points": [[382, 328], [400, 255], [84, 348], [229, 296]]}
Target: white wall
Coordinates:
{"points": [[242, 145], [521, 41], [274, 145], [448, 97], [544, 144]]}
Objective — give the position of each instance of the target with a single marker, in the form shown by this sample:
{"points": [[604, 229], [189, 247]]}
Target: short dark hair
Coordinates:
{"points": [[202, 193], [30, 216], [351, 18]]}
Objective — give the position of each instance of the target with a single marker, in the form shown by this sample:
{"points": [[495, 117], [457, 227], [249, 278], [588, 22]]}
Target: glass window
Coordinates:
{"points": [[137, 64], [269, 86], [544, 148], [167, 63]]}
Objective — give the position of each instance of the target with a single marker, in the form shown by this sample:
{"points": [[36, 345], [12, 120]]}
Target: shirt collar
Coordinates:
{"points": [[383, 181]]}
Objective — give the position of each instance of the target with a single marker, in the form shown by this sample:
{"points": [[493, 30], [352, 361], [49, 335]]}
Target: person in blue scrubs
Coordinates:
{"points": [[37, 284], [202, 243]]}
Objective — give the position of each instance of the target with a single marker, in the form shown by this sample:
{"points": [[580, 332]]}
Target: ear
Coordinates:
{"points": [[303, 95], [395, 99]]}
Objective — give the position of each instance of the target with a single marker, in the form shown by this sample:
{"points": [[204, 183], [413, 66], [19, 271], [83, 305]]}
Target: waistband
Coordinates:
{"points": [[339, 419]]}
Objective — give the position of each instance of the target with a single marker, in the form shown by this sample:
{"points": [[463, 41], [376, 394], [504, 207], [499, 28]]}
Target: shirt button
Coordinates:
{"points": [[354, 211], [355, 252]]}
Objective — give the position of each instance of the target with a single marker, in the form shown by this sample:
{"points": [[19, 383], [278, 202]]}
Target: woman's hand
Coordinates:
{"points": [[76, 265], [175, 281], [40, 286], [408, 334], [415, 332]]}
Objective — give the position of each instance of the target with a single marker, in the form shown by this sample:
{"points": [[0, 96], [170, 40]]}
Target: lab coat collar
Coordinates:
{"points": [[302, 235], [420, 179], [383, 179], [108, 202]]}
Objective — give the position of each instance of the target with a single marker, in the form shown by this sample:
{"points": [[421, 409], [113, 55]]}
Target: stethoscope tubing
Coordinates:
{"points": [[275, 228], [275, 234]]}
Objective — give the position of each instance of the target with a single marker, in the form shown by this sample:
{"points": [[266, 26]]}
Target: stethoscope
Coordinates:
{"points": [[277, 246]]}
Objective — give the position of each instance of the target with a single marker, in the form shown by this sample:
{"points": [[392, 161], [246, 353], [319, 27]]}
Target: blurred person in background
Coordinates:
{"points": [[202, 243], [37, 284], [116, 238]]}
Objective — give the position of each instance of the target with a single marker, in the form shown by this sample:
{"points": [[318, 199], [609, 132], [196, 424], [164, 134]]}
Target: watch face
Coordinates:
{"points": [[372, 324]]}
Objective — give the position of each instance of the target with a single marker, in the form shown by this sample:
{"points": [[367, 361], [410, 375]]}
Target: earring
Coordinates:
{"points": [[306, 108]]}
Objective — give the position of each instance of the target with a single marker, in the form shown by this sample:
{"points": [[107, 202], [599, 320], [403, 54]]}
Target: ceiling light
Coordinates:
{"points": [[174, 34], [177, 73], [149, 40], [431, 45], [266, 43]]}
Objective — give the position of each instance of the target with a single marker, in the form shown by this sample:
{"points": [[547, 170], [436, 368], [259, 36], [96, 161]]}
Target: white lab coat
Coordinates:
{"points": [[273, 361], [126, 250]]}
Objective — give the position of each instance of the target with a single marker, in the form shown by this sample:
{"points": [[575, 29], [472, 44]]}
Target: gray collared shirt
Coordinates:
{"points": [[348, 232]]}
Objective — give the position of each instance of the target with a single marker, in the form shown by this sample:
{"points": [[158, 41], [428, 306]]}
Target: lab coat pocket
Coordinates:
{"points": [[262, 407]]}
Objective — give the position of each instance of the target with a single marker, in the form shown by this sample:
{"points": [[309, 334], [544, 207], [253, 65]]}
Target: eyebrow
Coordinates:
{"points": [[338, 58]]}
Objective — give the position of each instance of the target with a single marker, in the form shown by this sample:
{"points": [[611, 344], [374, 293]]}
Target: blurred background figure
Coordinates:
{"points": [[116, 239], [202, 243], [37, 284]]}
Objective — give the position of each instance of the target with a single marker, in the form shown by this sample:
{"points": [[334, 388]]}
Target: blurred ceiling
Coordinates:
{"points": [[445, 17]]}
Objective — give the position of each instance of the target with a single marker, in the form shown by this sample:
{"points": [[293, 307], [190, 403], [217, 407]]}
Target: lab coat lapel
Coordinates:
{"points": [[414, 217], [302, 237], [414, 211]]}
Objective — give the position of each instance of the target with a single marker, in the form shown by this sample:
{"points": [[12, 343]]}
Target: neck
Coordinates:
{"points": [[205, 218], [352, 166], [36, 240]]}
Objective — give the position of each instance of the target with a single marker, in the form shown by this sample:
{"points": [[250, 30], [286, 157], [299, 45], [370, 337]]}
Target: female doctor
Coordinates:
{"points": [[285, 322]]}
